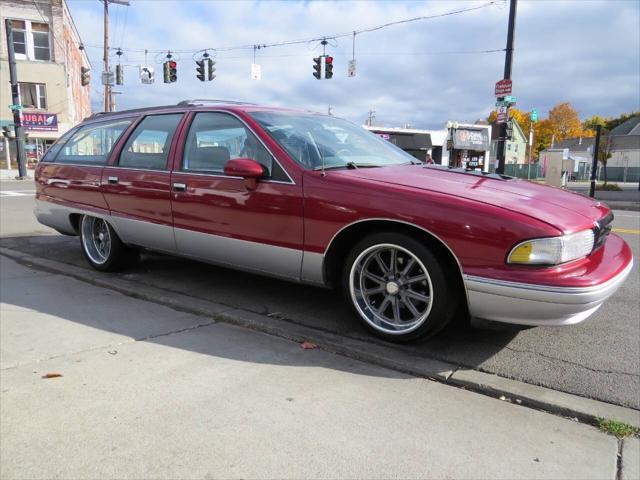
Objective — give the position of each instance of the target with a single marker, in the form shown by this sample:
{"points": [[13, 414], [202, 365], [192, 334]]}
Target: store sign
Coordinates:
{"points": [[43, 122], [471, 139], [503, 87]]}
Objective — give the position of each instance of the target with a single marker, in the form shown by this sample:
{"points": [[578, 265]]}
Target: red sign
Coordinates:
{"points": [[503, 87]]}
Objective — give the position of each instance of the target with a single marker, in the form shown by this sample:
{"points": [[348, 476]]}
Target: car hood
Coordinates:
{"points": [[564, 210]]}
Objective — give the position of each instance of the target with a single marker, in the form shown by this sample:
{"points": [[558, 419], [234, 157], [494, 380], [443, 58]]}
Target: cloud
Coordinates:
{"points": [[587, 53]]}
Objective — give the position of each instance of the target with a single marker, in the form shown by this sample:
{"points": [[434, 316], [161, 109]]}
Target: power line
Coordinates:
{"points": [[319, 38]]}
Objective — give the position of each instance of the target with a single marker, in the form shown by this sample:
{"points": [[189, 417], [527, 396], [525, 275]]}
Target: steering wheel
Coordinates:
{"points": [[343, 150]]}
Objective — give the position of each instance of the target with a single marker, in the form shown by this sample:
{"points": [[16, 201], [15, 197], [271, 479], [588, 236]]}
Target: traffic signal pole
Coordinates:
{"points": [[15, 97], [508, 61]]}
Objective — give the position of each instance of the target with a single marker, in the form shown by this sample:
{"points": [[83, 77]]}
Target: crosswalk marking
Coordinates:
{"points": [[16, 193]]}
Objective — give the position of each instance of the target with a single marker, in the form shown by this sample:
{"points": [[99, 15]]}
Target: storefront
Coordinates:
{"points": [[41, 131], [470, 146]]}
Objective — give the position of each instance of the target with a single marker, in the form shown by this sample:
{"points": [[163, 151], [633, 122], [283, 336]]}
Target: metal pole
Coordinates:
{"points": [[508, 61], [107, 88], [594, 165], [15, 97], [530, 147]]}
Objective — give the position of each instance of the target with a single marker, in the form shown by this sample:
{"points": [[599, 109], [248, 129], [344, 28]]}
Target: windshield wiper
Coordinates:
{"points": [[350, 166]]}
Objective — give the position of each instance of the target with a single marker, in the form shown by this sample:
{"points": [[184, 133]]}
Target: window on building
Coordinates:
{"points": [[33, 95], [19, 37], [31, 40], [508, 146], [515, 148]]}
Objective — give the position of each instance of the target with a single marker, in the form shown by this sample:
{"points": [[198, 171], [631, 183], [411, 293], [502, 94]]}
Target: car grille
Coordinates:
{"points": [[602, 230]]}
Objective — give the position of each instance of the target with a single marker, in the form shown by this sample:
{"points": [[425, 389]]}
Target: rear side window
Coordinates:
{"points": [[92, 143], [148, 146]]}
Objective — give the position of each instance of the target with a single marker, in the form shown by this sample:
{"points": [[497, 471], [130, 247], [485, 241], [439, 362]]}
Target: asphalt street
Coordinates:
{"points": [[598, 359]]}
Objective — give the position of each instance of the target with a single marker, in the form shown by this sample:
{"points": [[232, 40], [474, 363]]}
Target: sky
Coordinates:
{"points": [[421, 73]]}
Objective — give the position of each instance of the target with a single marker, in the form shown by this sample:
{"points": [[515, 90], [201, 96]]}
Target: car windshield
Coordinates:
{"points": [[317, 141]]}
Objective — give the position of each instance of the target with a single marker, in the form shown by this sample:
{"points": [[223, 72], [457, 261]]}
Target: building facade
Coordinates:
{"points": [[49, 58], [515, 150]]}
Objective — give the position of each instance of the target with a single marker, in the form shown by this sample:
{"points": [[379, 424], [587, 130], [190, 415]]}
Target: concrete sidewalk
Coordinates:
{"points": [[149, 392]]}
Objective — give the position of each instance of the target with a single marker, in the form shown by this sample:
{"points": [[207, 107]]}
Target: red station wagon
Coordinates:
{"points": [[315, 199]]}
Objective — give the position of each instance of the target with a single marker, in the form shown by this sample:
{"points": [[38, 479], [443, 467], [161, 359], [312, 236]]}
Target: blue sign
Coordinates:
{"points": [[43, 122]]}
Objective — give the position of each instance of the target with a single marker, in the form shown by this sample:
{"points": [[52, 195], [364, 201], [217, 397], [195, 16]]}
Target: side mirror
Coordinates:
{"points": [[246, 168]]}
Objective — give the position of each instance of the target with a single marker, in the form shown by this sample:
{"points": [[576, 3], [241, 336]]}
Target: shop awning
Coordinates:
{"points": [[411, 141]]}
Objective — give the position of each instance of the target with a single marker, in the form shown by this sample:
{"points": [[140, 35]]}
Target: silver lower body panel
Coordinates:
{"points": [[537, 305]]}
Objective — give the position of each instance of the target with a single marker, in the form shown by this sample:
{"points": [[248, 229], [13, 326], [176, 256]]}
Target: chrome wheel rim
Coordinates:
{"points": [[96, 239], [391, 289]]}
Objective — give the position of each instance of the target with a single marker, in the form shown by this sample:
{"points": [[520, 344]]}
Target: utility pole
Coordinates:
{"points": [[371, 117], [508, 61], [15, 97], [594, 164], [107, 88]]}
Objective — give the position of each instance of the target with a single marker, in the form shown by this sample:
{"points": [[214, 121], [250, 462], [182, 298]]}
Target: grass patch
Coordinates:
{"points": [[619, 429], [611, 187]]}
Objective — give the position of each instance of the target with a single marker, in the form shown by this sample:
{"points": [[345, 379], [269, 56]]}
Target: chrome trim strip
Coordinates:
{"points": [[479, 281], [380, 219], [275, 159]]}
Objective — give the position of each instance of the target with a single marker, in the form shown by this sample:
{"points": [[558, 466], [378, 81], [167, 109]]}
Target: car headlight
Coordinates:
{"points": [[553, 250]]}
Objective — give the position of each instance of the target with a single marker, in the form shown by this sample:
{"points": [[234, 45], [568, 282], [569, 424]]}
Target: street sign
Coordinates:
{"points": [[503, 112], [147, 75], [15, 107], [256, 71], [534, 115], [351, 69], [503, 87], [108, 78], [509, 99]]}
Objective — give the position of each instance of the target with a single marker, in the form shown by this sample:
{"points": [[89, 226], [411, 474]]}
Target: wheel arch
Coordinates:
{"points": [[343, 241]]}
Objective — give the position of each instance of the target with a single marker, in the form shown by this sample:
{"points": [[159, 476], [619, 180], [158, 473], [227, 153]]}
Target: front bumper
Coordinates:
{"points": [[531, 304]]}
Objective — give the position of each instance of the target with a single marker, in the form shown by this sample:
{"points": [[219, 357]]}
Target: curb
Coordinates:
{"points": [[514, 391]]}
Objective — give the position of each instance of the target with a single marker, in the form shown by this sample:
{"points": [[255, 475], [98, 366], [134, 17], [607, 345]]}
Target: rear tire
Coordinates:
{"points": [[398, 288], [102, 247]]}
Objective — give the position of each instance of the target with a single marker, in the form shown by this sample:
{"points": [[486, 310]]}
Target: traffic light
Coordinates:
{"points": [[119, 75], [211, 69], [200, 69], [328, 67], [317, 66], [509, 134], [170, 71], [85, 78]]}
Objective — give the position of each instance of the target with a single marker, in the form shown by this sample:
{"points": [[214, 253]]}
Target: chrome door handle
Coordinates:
{"points": [[113, 180], [179, 187]]}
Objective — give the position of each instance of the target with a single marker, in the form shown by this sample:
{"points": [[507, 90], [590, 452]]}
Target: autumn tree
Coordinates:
{"points": [[565, 121]]}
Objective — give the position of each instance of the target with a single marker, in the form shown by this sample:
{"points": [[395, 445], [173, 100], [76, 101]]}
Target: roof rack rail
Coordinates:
{"points": [[125, 112], [205, 101]]}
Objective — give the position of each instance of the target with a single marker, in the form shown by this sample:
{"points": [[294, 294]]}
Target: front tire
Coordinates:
{"points": [[398, 288], [102, 247]]}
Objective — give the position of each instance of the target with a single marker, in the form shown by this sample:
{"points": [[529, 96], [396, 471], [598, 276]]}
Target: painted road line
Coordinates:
{"points": [[16, 193], [627, 230]]}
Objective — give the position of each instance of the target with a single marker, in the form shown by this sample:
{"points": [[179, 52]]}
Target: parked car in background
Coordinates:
{"points": [[315, 199]]}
